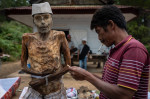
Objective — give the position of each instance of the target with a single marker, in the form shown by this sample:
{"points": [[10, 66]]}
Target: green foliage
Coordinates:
{"points": [[137, 28], [13, 3], [140, 3], [140, 32], [11, 38], [148, 48]]}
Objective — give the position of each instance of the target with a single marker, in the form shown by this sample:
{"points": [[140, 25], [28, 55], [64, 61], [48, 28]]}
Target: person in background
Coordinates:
{"points": [[83, 53], [71, 47], [126, 71]]}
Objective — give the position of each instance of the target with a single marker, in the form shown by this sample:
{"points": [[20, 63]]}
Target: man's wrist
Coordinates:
{"points": [[89, 77]]}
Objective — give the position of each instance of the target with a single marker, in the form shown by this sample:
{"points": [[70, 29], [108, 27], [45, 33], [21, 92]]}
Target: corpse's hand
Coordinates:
{"points": [[35, 83], [44, 73], [78, 73]]}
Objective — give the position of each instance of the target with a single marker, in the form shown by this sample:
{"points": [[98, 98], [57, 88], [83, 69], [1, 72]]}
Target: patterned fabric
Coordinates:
{"points": [[128, 66], [32, 94]]}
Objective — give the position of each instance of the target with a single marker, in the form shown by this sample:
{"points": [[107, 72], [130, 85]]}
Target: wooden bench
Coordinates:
{"points": [[95, 58]]}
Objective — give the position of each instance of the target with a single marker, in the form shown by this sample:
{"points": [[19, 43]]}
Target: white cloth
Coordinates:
{"points": [[32, 94], [41, 8], [84, 39], [70, 44]]}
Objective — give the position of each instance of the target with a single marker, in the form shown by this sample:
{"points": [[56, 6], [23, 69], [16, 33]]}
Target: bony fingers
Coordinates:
{"points": [[68, 65]]}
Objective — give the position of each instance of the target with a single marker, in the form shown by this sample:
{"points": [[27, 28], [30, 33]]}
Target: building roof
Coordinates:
{"points": [[24, 10], [23, 14]]}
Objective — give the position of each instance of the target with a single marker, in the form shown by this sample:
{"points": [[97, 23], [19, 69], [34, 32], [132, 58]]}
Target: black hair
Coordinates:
{"points": [[109, 12]]}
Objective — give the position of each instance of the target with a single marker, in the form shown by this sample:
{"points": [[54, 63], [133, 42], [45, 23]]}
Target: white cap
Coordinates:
{"points": [[84, 39], [41, 8]]}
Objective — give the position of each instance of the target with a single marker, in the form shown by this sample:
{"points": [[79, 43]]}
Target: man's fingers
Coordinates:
{"points": [[73, 68]]}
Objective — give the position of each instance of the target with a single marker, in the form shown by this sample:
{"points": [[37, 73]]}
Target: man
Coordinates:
{"points": [[71, 47], [42, 51], [83, 53], [126, 71]]}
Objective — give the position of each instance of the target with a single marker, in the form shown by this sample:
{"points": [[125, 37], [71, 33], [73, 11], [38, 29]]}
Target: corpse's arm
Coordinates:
{"points": [[24, 55], [65, 49]]}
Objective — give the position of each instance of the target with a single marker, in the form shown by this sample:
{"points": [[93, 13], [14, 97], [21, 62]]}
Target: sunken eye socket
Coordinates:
{"points": [[44, 17], [38, 18]]}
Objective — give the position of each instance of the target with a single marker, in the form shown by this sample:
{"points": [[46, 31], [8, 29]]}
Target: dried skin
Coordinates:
{"points": [[44, 57], [38, 82]]}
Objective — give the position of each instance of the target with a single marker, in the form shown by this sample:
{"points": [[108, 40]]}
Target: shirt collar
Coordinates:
{"points": [[122, 42]]}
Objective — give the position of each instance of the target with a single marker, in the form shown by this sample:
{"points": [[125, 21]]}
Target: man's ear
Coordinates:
{"points": [[111, 24]]}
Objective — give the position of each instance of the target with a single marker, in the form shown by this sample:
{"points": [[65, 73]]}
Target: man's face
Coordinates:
{"points": [[69, 38], [83, 42], [43, 22], [106, 37]]}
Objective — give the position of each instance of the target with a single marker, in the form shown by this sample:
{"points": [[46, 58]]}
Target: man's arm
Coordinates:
{"points": [[110, 90], [97, 76]]}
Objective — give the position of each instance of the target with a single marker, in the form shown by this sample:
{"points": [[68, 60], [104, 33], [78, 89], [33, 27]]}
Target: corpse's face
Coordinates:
{"points": [[105, 36], [43, 22]]}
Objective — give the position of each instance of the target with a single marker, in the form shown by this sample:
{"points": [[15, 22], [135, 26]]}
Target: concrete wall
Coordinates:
{"points": [[79, 28]]}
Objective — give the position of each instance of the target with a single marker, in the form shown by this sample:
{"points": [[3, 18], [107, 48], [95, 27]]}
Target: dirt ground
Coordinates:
{"points": [[11, 69]]}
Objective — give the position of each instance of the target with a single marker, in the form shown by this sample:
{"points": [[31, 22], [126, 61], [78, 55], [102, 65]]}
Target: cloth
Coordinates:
{"points": [[41, 8], [128, 66], [80, 47], [84, 51], [32, 94], [83, 63], [70, 44], [71, 93]]}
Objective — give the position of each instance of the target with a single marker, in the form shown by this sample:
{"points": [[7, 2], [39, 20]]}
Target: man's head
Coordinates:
{"points": [[84, 41], [42, 17], [105, 21], [69, 37]]}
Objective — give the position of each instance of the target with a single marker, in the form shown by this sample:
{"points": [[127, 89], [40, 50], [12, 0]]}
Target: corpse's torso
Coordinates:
{"points": [[45, 55]]}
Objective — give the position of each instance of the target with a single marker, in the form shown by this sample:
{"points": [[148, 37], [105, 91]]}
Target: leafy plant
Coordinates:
{"points": [[11, 38], [139, 31], [13, 3]]}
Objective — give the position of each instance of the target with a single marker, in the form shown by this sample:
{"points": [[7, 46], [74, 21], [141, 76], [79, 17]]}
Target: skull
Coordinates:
{"points": [[43, 22]]}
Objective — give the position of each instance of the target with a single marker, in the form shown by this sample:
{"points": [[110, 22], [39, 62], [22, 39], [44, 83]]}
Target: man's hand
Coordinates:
{"points": [[78, 73]]}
